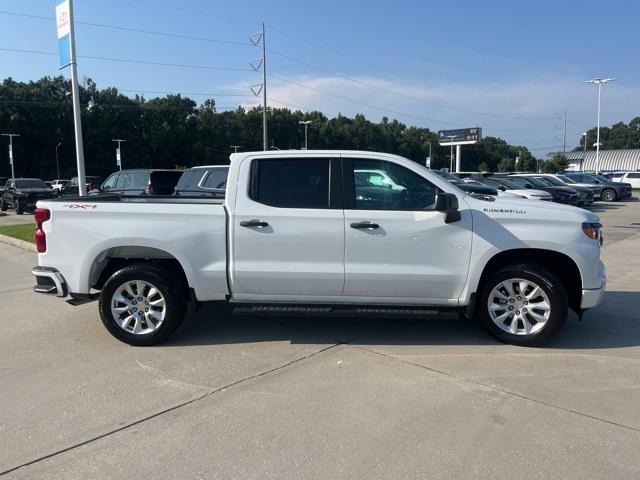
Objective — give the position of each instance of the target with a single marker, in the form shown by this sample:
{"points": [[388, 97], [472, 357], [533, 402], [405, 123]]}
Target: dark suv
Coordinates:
{"points": [[23, 193], [141, 182], [611, 191], [71, 188], [466, 187], [207, 181]]}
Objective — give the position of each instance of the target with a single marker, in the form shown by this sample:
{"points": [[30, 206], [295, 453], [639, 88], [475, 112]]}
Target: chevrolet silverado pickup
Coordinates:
{"points": [[298, 232]]}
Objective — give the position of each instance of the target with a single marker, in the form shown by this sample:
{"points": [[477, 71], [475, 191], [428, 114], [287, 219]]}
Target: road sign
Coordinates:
{"points": [[461, 136], [63, 22], [10, 154], [118, 158]]}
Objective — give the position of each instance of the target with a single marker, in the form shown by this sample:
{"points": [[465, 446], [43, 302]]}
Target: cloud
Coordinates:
{"points": [[533, 105]]}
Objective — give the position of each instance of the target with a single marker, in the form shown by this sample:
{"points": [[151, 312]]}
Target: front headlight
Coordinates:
{"points": [[593, 230]]}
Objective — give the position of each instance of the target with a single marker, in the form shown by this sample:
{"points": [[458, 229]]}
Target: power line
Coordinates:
{"points": [[135, 30], [193, 94], [126, 60], [92, 105]]}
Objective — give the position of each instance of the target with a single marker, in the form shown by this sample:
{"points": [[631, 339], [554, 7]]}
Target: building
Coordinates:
{"points": [[610, 160]]}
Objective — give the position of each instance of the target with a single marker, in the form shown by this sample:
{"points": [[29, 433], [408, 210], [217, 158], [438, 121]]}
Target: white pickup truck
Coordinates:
{"points": [[301, 232]]}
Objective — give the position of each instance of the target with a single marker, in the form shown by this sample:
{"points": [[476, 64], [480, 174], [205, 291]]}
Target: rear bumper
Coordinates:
{"points": [[49, 281]]}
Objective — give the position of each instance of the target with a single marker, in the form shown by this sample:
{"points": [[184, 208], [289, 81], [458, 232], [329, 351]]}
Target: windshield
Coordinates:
{"points": [[31, 183], [553, 181], [510, 184], [536, 182], [602, 178], [447, 176], [565, 179]]}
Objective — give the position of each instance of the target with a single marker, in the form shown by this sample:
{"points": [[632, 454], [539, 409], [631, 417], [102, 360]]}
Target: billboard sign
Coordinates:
{"points": [[460, 136]]}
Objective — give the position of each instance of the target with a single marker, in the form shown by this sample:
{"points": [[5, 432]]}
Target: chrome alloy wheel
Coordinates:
{"points": [[138, 307], [519, 307]]}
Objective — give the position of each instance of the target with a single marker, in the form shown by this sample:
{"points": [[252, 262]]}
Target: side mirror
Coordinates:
{"points": [[597, 182], [503, 189], [447, 203]]}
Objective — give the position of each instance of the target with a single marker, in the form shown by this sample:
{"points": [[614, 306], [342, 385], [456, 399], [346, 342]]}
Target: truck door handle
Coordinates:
{"points": [[364, 225], [253, 223]]}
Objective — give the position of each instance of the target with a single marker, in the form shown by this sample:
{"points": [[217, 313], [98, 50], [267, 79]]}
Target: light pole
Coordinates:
{"points": [[11, 135], [451, 137], [235, 148], [57, 162], [118, 152], [306, 124], [429, 158], [599, 82], [584, 156]]}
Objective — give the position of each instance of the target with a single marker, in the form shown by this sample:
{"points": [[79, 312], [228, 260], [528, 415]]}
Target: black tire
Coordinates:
{"points": [[609, 195], [3, 206], [174, 293], [19, 208], [551, 286]]}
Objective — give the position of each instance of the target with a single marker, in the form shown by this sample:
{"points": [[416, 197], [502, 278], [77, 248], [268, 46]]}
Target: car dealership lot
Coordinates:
{"points": [[251, 397]]}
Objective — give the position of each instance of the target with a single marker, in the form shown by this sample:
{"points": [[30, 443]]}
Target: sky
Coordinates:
{"points": [[509, 67]]}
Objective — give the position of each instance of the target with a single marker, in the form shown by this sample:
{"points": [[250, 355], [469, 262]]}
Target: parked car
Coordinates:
{"points": [[465, 187], [59, 184], [141, 182], [23, 193], [204, 181], [596, 189], [296, 234], [71, 188], [505, 185], [564, 195], [585, 193], [611, 191], [632, 178]]}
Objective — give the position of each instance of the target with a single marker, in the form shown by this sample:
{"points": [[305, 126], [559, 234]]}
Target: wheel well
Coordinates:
{"points": [[114, 259], [559, 264]]}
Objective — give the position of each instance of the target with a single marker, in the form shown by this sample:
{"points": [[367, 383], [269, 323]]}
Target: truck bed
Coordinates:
{"points": [[84, 232]]}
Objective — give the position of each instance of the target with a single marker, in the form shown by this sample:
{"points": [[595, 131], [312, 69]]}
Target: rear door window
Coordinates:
{"points": [[291, 182]]}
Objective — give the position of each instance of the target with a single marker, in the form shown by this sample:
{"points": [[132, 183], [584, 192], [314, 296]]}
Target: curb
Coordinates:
{"points": [[18, 243]]}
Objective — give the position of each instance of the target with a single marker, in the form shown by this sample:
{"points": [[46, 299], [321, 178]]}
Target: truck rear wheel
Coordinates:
{"points": [[19, 207], [3, 206], [523, 305], [142, 304]]}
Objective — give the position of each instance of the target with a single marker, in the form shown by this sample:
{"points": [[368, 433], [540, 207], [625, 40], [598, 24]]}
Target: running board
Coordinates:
{"points": [[342, 311]]}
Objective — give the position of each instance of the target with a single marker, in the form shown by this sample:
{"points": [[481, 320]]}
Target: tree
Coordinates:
{"points": [[176, 130], [483, 167], [507, 165], [556, 164]]}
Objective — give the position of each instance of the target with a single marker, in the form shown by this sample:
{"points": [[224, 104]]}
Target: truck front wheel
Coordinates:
{"points": [[523, 305], [142, 304]]}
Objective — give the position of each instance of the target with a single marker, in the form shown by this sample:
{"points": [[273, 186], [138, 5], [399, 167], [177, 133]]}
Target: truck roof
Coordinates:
{"points": [[309, 153]]}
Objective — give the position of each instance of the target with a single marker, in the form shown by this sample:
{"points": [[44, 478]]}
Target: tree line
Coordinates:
{"points": [[175, 131]]}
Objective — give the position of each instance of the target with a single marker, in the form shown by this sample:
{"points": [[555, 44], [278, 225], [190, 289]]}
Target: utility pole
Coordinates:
{"points": [[428, 163], [118, 152], [235, 148], [11, 135], [64, 20], [599, 82], [564, 137], [584, 156], [255, 39], [306, 123], [57, 162]]}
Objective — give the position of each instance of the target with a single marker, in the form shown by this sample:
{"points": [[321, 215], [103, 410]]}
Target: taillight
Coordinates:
{"points": [[41, 215]]}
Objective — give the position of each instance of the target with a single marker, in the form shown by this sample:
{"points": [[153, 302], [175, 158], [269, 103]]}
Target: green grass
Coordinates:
{"points": [[23, 231]]}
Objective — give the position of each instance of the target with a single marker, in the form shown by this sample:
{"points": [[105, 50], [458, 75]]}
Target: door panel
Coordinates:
{"points": [[412, 253], [301, 249]]}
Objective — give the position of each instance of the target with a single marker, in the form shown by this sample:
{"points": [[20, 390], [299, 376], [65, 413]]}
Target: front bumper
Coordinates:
{"points": [[593, 297], [49, 281]]}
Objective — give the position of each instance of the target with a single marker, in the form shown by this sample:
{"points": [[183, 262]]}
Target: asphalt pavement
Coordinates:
{"points": [[249, 397]]}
